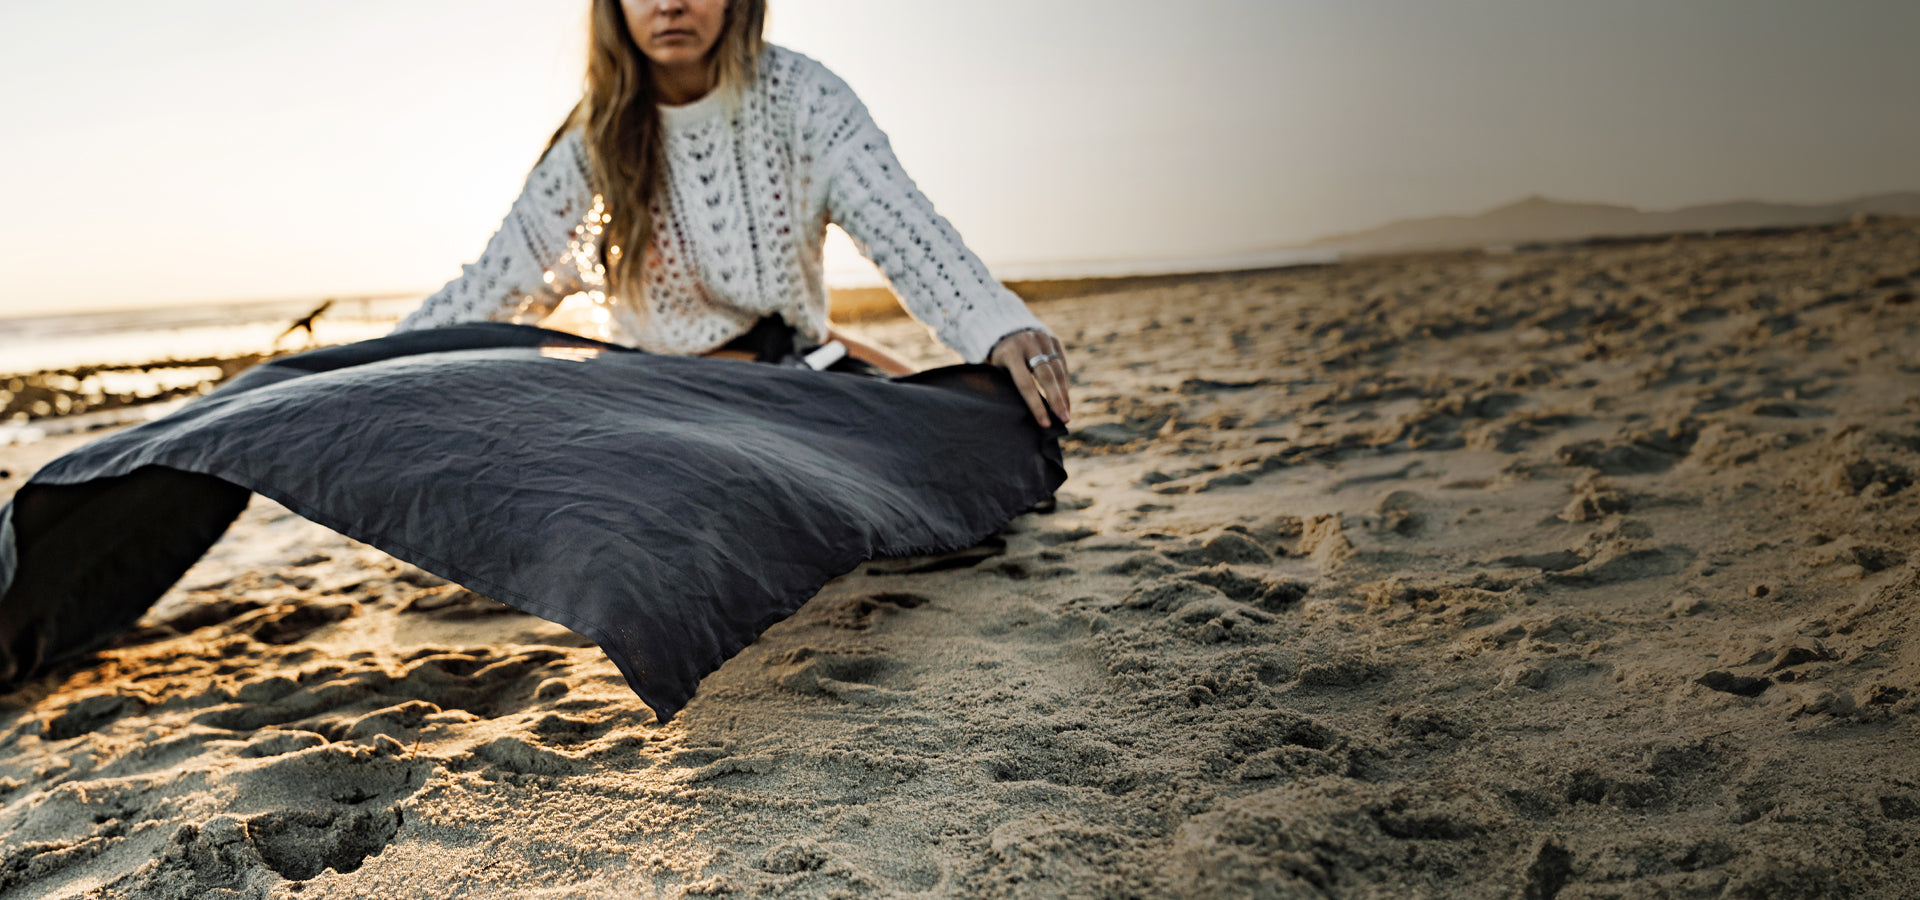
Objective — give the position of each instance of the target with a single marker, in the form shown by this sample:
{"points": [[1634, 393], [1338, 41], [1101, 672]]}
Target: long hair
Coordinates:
{"points": [[621, 125]]}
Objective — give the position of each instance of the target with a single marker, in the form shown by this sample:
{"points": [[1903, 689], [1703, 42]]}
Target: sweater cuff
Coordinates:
{"points": [[976, 335]]}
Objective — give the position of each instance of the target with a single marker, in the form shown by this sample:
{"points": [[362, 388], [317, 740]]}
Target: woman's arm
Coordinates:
{"points": [[939, 280], [869, 354], [543, 251]]}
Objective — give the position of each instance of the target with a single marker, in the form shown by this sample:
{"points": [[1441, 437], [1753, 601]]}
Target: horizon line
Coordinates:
{"points": [[1034, 270]]}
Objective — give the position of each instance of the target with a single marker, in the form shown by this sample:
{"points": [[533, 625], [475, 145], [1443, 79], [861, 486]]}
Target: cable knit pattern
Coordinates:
{"points": [[754, 180]]}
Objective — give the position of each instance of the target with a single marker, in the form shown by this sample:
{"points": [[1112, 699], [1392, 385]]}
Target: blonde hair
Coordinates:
{"points": [[620, 123]]}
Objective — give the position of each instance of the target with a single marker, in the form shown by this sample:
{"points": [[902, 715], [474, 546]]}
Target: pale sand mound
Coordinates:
{"points": [[1572, 574]]}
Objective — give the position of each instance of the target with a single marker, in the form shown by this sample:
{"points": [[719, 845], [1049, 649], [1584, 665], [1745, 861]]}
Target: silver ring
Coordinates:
{"points": [[1040, 359]]}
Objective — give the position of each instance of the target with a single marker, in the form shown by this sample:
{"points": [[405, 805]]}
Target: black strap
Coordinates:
{"points": [[772, 340]]}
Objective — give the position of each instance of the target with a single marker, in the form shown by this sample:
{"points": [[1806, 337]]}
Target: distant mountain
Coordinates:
{"points": [[1541, 219]]}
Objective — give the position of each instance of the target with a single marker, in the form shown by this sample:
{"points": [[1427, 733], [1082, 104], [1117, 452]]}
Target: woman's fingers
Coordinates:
{"points": [[1054, 380], [1039, 385], [1046, 384], [1030, 389]]}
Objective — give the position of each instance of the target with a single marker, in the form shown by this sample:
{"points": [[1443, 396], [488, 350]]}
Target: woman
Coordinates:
{"points": [[667, 505], [725, 158]]}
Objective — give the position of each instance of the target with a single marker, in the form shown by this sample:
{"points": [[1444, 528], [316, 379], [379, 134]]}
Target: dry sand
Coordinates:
{"points": [[1578, 573]]}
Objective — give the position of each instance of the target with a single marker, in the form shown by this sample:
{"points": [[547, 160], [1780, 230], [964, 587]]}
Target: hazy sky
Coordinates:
{"points": [[219, 149]]}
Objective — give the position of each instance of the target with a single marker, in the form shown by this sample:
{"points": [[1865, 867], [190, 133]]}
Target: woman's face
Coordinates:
{"points": [[675, 33]]}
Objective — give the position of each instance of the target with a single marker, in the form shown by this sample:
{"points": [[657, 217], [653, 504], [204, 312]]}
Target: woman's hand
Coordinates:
{"points": [[1039, 366]]}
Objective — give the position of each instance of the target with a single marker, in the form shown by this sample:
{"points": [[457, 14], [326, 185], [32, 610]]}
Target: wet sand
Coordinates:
{"points": [[1581, 572]]}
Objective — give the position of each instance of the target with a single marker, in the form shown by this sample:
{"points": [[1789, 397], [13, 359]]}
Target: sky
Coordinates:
{"points": [[209, 150]]}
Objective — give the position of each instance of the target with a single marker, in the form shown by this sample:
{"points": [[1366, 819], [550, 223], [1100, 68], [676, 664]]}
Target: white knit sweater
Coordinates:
{"points": [[753, 184]]}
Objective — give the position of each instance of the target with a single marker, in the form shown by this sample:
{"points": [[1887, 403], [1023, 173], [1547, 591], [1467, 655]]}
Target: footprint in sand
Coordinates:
{"points": [[329, 700], [89, 714], [1284, 744], [859, 613], [1265, 593], [302, 843], [1198, 611], [850, 677], [289, 623], [1631, 565]]}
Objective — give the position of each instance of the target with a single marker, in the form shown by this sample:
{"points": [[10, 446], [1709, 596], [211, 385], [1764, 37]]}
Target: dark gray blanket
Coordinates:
{"points": [[669, 508]]}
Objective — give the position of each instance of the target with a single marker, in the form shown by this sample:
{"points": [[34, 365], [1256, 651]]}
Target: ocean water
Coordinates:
{"points": [[125, 337], [149, 339]]}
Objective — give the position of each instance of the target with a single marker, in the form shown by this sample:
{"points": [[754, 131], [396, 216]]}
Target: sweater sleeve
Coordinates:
{"points": [[538, 256], [941, 282]]}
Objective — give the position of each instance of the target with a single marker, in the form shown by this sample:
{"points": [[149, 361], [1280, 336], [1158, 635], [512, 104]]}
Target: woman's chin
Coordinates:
{"points": [[675, 56]]}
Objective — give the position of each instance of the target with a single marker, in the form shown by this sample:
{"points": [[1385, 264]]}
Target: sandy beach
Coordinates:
{"points": [[1577, 572]]}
